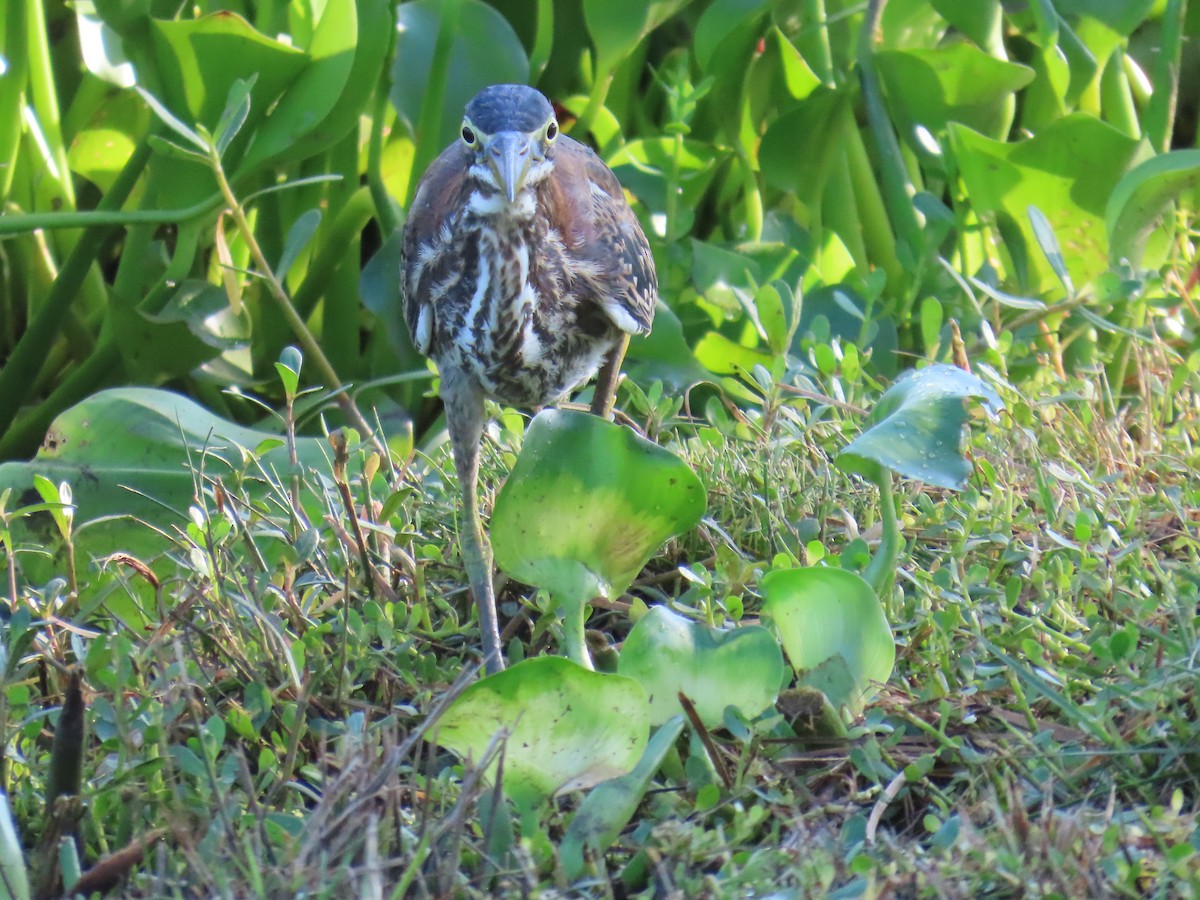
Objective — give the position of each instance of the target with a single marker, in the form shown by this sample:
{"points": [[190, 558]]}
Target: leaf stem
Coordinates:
{"points": [[881, 571], [312, 348]]}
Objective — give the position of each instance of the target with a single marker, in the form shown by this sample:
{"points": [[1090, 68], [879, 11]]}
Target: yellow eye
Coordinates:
{"points": [[468, 135], [551, 131]]}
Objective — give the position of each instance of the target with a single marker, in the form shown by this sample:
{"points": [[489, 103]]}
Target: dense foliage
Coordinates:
{"points": [[226, 637]]}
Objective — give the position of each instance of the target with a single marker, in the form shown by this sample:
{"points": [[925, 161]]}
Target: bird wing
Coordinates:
{"points": [[423, 266], [601, 231]]}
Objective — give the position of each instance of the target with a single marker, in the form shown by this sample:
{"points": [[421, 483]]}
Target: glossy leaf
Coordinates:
{"points": [[714, 668], [568, 728], [834, 631], [587, 504], [201, 59], [916, 428], [326, 99]]}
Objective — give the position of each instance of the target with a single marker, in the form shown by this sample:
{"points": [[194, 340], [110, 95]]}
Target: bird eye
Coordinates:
{"points": [[468, 135], [552, 130]]}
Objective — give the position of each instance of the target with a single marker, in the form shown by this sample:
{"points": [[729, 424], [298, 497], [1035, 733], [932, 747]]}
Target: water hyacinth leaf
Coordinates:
{"points": [[125, 452], [201, 59], [568, 728], [714, 668], [916, 428], [618, 26], [340, 35], [662, 355], [1140, 198], [609, 807], [587, 504], [1068, 170], [484, 50], [957, 82], [834, 631]]}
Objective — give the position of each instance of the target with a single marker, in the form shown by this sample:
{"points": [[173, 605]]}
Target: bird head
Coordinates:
{"points": [[510, 130]]}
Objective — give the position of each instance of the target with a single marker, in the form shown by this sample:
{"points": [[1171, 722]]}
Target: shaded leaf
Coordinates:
{"points": [[916, 428]]}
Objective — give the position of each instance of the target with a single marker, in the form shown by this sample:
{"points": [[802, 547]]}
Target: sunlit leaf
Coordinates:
{"points": [[568, 728], [834, 631], [587, 503], [1068, 170], [714, 668], [956, 82]]}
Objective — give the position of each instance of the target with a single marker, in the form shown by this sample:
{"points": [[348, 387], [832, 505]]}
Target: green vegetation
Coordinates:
{"points": [[920, 416]]}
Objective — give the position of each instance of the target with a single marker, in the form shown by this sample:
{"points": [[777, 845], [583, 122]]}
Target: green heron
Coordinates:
{"points": [[524, 270]]}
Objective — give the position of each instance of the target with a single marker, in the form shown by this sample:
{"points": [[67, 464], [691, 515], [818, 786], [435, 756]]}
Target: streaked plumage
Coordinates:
{"points": [[524, 269]]}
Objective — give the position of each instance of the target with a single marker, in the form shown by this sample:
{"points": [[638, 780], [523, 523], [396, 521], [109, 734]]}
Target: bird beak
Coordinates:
{"points": [[509, 156]]}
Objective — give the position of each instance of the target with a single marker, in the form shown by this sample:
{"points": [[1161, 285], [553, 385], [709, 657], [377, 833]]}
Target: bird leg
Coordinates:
{"points": [[606, 382], [465, 419]]}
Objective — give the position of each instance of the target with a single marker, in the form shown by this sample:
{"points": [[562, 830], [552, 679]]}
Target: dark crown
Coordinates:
{"points": [[509, 107]]}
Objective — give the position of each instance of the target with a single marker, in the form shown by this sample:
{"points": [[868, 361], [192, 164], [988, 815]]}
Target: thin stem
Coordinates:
{"points": [[575, 613], [300, 329]]}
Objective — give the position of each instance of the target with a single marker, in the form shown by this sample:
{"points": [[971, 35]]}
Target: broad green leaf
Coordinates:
{"points": [[916, 428], [799, 148], [957, 82], [201, 59], [1122, 16], [587, 504], [618, 26], [485, 50], [1139, 200], [327, 98], [824, 614], [715, 668], [608, 808], [979, 20], [1068, 171], [664, 355], [127, 454], [100, 150], [720, 19], [721, 356], [568, 728], [646, 168]]}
